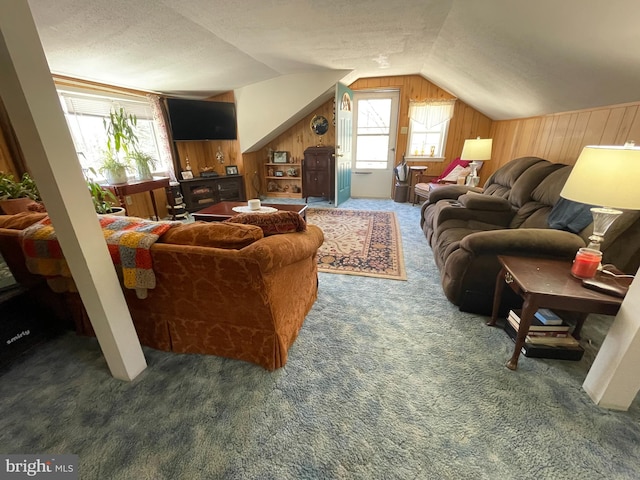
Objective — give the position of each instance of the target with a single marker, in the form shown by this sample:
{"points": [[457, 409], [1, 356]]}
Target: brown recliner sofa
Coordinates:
{"points": [[221, 289], [467, 230]]}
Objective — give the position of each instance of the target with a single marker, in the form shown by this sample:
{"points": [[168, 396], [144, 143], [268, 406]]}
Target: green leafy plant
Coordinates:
{"points": [[121, 131], [103, 200], [144, 164], [112, 165], [11, 188], [121, 142]]}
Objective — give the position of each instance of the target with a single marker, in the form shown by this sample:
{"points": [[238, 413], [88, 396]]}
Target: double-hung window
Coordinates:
{"points": [[428, 127], [85, 113]]}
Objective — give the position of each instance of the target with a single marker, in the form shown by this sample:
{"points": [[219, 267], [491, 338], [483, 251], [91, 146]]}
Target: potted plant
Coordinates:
{"points": [[17, 195], [144, 164], [121, 141], [114, 169], [104, 201]]}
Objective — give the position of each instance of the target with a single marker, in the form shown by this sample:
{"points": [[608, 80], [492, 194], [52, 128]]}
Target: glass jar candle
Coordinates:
{"points": [[586, 263]]}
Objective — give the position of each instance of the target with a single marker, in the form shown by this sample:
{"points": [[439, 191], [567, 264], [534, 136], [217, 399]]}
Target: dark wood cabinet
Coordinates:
{"points": [[202, 192], [318, 170]]}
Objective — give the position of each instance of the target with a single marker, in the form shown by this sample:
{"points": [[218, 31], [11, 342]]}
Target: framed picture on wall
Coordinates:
{"points": [[231, 169], [279, 157]]}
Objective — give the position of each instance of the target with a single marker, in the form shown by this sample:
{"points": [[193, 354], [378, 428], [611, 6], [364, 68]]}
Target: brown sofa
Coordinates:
{"points": [[221, 289], [467, 230]]}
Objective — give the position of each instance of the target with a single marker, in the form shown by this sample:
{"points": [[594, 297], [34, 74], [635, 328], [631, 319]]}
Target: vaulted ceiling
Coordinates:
{"points": [[506, 58]]}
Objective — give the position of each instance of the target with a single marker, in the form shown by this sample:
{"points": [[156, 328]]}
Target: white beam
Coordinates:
{"points": [[613, 380], [27, 90]]}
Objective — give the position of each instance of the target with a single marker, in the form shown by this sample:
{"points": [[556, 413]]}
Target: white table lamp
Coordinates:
{"points": [[608, 176], [477, 150]]}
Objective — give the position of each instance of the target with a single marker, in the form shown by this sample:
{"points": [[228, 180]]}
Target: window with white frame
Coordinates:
{"points": [[428, 127], [85, 113]]}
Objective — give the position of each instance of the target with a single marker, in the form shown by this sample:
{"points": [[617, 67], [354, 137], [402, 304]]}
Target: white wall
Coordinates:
{"points": [[267, 109]]}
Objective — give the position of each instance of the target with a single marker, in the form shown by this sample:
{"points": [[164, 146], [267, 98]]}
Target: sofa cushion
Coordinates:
{"points": [[500, 183], [272, 223], [21, 220], [212, 234]]}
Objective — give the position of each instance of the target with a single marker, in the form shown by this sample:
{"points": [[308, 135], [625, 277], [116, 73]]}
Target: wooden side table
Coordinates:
{"points": [[546, 283], [413, 177], [140, 186]]}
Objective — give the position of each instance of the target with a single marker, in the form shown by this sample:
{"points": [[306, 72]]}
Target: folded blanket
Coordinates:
{"points": [[128, 240], [570, 216]]}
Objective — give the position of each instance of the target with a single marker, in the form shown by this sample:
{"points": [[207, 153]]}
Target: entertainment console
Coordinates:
{"points": [[201, 192]]}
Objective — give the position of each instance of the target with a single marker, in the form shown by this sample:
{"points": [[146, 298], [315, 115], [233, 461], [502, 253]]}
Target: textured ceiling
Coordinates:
{"points": [[506, 58]]}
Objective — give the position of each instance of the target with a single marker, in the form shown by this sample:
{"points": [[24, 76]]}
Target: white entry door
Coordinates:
{"points": [[376, 120]]}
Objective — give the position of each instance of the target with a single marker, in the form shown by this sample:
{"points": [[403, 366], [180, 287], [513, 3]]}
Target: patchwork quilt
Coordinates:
{"points": [[128, 240]]}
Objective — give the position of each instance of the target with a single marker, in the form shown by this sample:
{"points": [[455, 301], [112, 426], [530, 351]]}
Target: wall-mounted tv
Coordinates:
{"points": [[201, 120]]}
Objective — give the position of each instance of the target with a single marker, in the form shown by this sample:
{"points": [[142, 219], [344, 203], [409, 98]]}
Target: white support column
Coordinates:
{"points": [[613, 380], [28, 92]]}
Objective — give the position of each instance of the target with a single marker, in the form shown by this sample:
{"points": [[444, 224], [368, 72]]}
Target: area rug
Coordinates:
{"points": [[359, 242]]}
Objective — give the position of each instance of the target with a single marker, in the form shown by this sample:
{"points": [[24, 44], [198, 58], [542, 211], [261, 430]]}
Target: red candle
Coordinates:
{"points": [[586, 263]]}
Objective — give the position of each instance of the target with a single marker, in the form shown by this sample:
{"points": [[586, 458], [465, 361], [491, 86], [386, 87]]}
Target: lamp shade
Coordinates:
{"points": [[607, 176], [477, 149]]}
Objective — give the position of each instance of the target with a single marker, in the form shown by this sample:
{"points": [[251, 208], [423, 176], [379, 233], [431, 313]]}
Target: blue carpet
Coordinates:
{"points": [[387, 380]]}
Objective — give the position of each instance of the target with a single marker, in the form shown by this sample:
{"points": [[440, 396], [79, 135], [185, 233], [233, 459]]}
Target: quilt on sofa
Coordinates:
{"points": [[128, 240]]}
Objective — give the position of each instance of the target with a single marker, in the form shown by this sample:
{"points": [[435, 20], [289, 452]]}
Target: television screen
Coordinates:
{"points": [[202, 120]]}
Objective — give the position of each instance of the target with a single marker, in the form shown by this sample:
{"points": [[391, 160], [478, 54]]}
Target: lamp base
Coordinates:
{"points": [[473, 179], [602, 220]]}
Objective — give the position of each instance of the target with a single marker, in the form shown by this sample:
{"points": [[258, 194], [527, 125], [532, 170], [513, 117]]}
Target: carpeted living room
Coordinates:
{"points": [[301, 309], [387, 379]]}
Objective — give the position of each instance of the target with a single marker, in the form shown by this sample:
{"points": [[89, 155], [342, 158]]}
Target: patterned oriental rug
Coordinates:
{"points": [[359, 242]]}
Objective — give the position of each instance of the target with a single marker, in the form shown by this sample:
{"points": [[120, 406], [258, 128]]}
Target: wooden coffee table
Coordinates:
{"points": [[545, 283], [224, 210]]}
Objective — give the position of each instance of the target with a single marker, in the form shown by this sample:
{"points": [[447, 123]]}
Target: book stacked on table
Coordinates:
{"points": [[549, 336]]}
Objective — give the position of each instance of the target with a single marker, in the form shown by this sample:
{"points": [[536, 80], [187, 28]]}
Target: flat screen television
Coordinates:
{"points": [[201, 119]]}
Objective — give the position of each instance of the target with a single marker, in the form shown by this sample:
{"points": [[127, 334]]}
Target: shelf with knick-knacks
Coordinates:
{"points": [[283, 178]]}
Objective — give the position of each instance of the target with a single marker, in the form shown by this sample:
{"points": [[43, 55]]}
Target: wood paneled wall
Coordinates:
{"points": [[466, 122], [295, 140], [560, 137], [557, 137], [11, 160], [203, 154]]}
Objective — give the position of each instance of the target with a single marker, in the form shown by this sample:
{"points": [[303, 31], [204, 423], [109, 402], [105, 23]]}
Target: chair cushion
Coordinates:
{"points": [[422, 189], [455, 173], [456, 163]]}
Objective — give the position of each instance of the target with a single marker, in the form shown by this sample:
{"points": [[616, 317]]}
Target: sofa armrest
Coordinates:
{"points": [[450, 192], [475, 201], [523, 241], [277, 251]]}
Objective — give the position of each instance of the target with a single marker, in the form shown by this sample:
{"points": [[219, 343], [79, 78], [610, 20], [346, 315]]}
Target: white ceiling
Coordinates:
{"points": [[506, 58]]}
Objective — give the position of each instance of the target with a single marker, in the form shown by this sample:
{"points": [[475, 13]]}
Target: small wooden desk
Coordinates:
{"points": [[545, 283], [224, 210], [140, 186]]}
